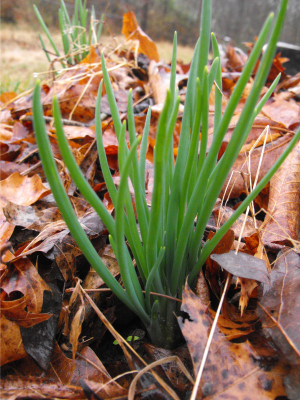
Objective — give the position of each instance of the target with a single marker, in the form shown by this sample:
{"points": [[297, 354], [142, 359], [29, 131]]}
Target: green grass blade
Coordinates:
{"points": [[218, 85], [64, 34], [44, 48], [65, 11], [127, 270], [151, 277], [204, 129], [158, 194], [100, 27], [64, 203], [76, 172], [46, 30], [245, 122], [139, 190], [101, 150], [144, 147], [111, 98], [131, 230], [236, 95]]}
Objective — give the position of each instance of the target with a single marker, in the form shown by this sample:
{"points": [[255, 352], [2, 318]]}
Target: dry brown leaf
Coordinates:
{"points": [[232, 369], [213, 271], [283, 111], [279, 312], [76, 329], [21, 303], [282, 221], [132, 31], [235, 181], [247, 228], [11, 348], [280, 304], [21, 190]]}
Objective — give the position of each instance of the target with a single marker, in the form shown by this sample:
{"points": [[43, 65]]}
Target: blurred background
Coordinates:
{"points": [[237, 21]]}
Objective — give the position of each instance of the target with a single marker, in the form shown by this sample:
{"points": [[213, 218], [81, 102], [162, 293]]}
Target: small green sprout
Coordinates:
{"points": [[129, 339]]}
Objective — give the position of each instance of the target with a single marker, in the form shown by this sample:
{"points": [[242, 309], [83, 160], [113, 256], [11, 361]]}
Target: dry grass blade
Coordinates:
{"points": [[153, 365]]}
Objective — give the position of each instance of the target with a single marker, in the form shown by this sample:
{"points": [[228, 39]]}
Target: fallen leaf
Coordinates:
{"points": [[21, 302], [132, 31], [235, 184], [280, 305], [279, 312], [283, 111], [281, 224], [232, 370], [243, 265], [213, 272]]}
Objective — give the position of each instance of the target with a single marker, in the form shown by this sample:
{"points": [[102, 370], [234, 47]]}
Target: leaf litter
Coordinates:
{"points": [[55, 340]]}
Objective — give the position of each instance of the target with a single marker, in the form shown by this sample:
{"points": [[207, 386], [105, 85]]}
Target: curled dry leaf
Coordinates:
{"points": [[132, 31], [76, 329], [21, 303]]}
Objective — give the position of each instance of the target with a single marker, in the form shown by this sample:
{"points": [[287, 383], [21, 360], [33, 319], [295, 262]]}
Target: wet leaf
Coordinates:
{"points": [[243, 265], [232, 369]]}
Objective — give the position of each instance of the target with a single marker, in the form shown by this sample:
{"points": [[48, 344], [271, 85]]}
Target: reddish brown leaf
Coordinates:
{"points": [[213, 272]]}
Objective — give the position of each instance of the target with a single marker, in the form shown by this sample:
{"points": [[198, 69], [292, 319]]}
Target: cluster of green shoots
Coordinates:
{"points": [[166, 240], [77, 34]]}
